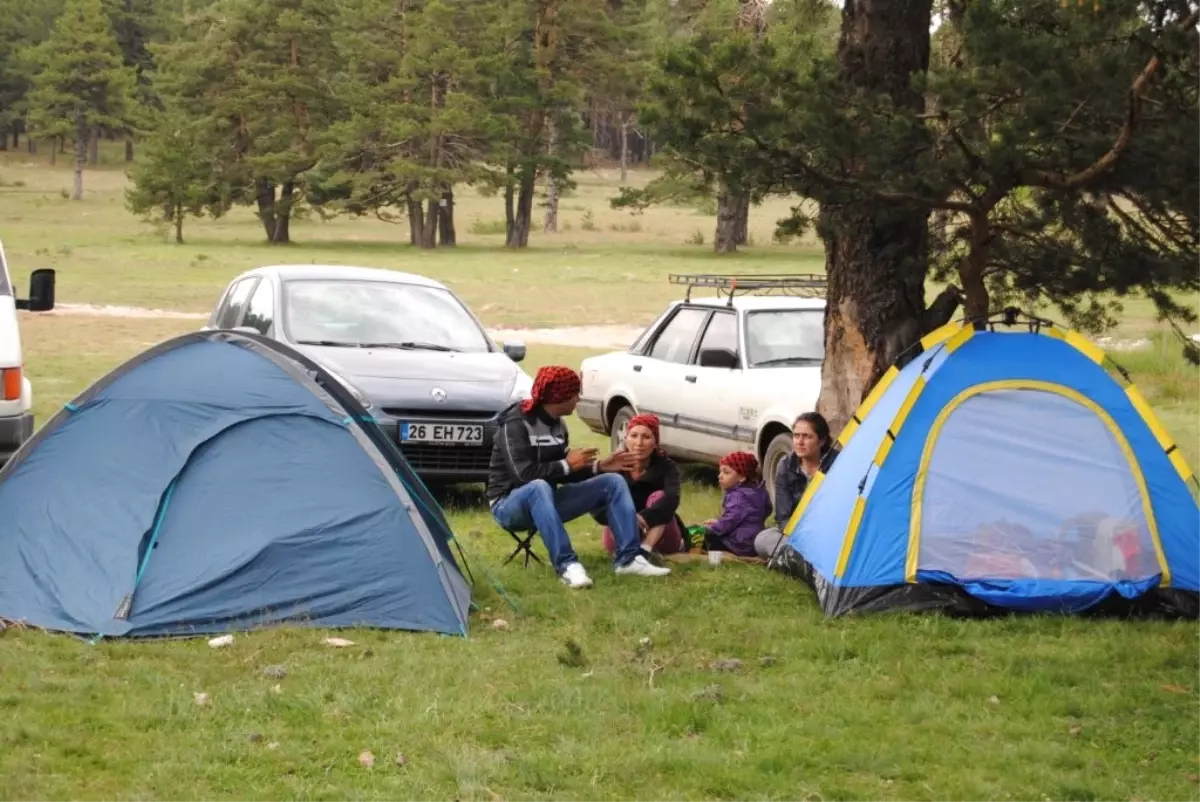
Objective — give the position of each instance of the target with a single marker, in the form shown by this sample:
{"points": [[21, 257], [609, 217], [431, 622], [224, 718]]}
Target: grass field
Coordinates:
{"points": [[883, 707]]}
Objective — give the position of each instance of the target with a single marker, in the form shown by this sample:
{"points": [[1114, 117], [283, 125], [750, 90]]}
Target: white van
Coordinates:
{"points": [[16, 393]]}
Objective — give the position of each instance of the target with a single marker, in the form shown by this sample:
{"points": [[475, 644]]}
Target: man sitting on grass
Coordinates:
{"points": [[536, 478]]}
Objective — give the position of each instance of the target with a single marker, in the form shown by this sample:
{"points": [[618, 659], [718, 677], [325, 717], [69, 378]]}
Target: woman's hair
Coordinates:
{"points": [[819, 426]]}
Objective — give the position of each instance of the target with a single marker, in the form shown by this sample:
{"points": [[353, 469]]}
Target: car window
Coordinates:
{"points": [[721, 332], [785, 337], [235, 302], [381, 312], [260, 312], [674, 344]]}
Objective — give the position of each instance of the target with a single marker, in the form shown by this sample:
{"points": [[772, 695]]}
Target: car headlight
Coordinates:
{"points": [[522, 387]]}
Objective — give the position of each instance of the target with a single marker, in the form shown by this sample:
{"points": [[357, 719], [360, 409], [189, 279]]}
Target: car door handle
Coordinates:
{"points": [[637, 368], [691, 379]]}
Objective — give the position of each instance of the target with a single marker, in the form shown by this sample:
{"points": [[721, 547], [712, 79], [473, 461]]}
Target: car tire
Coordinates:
{"points": [[777, 450], [619, 425]]}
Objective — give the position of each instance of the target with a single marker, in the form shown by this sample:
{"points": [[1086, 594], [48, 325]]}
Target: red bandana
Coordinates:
{"points": [[648, 420], [743, 462], [552, 385]]}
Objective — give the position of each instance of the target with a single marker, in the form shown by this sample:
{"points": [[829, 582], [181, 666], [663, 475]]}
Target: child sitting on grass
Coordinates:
{"points": [[744, 509]]}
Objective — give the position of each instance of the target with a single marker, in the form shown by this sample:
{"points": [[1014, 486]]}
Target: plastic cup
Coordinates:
{"points": [[715, 557]]}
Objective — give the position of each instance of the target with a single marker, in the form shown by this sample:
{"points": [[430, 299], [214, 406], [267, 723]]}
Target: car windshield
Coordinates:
{"points": [[785, 337], [380, 314]]}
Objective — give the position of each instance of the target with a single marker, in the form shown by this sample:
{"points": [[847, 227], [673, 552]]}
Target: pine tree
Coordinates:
{"points": [[258, 75], [81, 84], [172, 177]]}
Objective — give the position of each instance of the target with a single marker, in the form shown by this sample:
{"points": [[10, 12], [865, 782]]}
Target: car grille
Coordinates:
{"points": [[424, 457]]}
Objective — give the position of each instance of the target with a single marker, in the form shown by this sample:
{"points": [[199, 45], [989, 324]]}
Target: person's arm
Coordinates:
{"points": [[663, 510], [520, 456], [732, 515]]}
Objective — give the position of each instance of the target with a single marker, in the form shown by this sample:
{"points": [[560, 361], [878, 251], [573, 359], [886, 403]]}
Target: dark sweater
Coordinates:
{"points": [[661, 474], [790, 484]]}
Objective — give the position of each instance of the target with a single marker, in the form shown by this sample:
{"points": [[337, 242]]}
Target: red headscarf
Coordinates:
{"points": [[743, 462], [649, 420], [552, 385]]}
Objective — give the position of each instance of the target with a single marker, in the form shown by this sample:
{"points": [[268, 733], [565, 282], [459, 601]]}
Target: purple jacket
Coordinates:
{"points": [[744, 513]]}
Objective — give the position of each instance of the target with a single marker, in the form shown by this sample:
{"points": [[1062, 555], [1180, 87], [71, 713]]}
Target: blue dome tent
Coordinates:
{"points": [[221, 481], [1003, 468]]}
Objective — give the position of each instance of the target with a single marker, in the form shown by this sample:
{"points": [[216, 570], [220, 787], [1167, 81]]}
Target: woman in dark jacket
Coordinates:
{"points": [[655, 487], [810, 448]]}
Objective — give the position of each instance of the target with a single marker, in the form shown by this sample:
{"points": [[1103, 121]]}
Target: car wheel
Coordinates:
{"points": [[777, 451], [619, 426]]}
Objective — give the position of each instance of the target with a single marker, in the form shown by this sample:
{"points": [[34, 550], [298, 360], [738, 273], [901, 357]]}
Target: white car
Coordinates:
{"points": [[16, 392], [722, 373]]}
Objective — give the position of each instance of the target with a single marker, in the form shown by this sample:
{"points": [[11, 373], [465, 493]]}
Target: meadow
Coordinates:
{"points": [[883, 707]]}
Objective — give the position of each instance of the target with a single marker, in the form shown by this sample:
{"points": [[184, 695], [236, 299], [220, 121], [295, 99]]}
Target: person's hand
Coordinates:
{"points": [[617, 462], [642, 523], [710, 522], [578, 458]]}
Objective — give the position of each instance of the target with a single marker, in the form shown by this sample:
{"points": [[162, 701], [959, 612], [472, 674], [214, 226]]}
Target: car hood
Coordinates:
{"points": [[390, 377]]}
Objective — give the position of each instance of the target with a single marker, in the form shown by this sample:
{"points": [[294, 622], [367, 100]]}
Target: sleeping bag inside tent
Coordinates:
{"points": [[1001, 469], [221, 481]]}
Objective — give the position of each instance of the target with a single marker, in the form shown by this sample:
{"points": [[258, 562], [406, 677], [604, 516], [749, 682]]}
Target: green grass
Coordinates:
{"points": [[879, 707]]}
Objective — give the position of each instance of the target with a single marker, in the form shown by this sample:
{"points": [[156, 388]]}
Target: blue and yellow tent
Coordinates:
{"points": [[1001, 469]]}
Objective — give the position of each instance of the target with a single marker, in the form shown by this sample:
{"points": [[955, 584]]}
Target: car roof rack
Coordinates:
{"points": [[802, 285]]}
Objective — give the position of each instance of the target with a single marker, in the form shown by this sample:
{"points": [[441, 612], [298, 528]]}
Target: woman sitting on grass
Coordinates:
{"points": [[655, 488], [810, 445], [744, 509]]}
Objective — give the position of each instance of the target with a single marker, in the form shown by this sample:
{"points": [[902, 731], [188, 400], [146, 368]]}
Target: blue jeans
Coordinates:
{"points": [[548, 508]]}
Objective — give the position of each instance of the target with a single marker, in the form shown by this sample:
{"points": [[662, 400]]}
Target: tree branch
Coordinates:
{"points": [[1050, 180]]}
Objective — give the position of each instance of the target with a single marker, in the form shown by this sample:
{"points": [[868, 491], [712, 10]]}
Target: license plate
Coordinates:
{"points": [[442, 434]]}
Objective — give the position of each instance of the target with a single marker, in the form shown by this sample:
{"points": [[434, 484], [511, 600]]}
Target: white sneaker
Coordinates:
{"points": [[642, 567], [573, 576]]}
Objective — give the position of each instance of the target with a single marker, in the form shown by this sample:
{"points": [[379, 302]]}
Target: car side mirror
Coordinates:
{"points": [[718, 358], [515, 351], [41, 291]]}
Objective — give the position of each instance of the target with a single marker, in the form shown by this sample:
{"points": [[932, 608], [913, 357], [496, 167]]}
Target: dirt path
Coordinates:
{"points": [[610, 337], [614, 337]]}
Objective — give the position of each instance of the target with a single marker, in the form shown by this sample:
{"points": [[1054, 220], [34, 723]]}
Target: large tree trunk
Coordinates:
{"points": [[427, 236], [741, 234], [416, 221], [725, 237], [81, 142], [550, 223], [624, 145], [876, 253], [178, 225], [129, 149], [519, 222], [446, 234], [275, 215]]}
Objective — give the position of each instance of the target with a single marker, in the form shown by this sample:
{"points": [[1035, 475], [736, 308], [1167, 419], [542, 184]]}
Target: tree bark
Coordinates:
{"points": [[275, 215], [518, 230], [93, 156], [178, 225], [624, 146], [876, 252], [446, 234], [416, 221], [725, 237], [81, 142], [550, 224], [128, 150], [427, 236], [741, 234]]}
